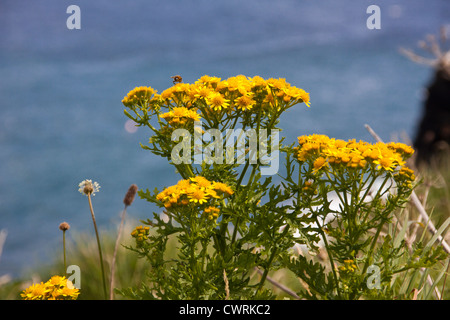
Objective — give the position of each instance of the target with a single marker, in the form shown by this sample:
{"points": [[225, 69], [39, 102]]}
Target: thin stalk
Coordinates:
{"points": [[272, 256], [372, 246], [235, 229], [266, 270], [64, 251], [194, 268], [279, 285], [369, 187], [330, 256], [113, 263], [382, 222], [252, 174], [250, 181], [445, 280], [99, 246], [238, 185]]}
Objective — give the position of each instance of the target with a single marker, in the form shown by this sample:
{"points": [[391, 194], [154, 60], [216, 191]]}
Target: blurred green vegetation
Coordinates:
{"points": [[82, 250]]}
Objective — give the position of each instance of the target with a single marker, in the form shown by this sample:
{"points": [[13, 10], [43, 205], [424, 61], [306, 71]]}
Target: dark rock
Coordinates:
{"points": [[432, 139]]}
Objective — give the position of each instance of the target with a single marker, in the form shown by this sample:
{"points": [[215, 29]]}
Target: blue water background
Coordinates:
{"points": [[61, 117]]}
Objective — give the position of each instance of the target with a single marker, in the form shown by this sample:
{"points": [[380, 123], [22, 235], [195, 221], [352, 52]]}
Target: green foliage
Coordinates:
{"points": [[339, 200]]}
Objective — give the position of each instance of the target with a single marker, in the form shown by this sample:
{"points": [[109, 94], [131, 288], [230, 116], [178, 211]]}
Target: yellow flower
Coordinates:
{"points": [[201, 182], [277, 83], [184, 184], [222, 86], [319, 163], [211, 94], [34, 292], [289, 93], [56, 281], [140, 233], [311, 145], [213, 212], [245, 102], [68, 292], [304, 96], [385, 163], [407, 172], [198, 196], [349, 266], [217, 101], [223, 188], [402, 148], [356, 160], [405, 177], [180, 116], [167, 94], [269, 99], [352, 154], [258, 81], [57, 288], [309, 187], [208, 81], [196, 191], [202, 92], [138, 95], [238, 83]]}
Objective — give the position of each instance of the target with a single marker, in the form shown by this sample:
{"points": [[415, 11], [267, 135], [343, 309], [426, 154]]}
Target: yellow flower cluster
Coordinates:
{"points": [[349, 266], [405, 176], [212, 212], [140, 233], [179, 116], [138, 96], [308, 187], [195, 191], [323, 151], [57, 288], [244, 93], [235, 93]]}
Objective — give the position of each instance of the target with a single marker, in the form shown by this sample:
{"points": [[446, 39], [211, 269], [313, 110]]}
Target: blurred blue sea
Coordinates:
{"points": [[62, 121]]}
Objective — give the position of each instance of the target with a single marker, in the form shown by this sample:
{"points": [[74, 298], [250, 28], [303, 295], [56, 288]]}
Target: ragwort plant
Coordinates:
{"points": [[229, 218], [348, 191]]}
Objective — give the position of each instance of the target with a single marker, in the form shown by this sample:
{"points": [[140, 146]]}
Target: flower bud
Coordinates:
{"points": [[129, 196], [64, 226]]}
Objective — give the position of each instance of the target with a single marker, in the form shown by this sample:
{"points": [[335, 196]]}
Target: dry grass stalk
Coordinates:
{"points": [[441, 58], [415, 200], [127, 200], [278, 285], [227, 287]]}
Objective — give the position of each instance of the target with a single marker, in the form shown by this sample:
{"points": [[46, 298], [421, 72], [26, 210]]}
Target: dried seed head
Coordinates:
{"points": [[87, 187], [64, 226], [129, 196]]}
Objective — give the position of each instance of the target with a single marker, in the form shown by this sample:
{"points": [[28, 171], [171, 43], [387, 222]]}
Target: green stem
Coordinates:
{"points": [[272, 256], [250, 181], [99, 246], [384, 217], [189, 170], [366, 193], [238, 184], [372, 246], [330, 256], [235, 229], [252, 174]]}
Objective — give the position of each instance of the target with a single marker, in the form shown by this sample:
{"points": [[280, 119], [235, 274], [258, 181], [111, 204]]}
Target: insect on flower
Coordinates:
{"points": [[177, 79]]}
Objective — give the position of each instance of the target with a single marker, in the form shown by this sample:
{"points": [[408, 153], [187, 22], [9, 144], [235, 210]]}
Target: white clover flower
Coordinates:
{"points": [[87, 187]]}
